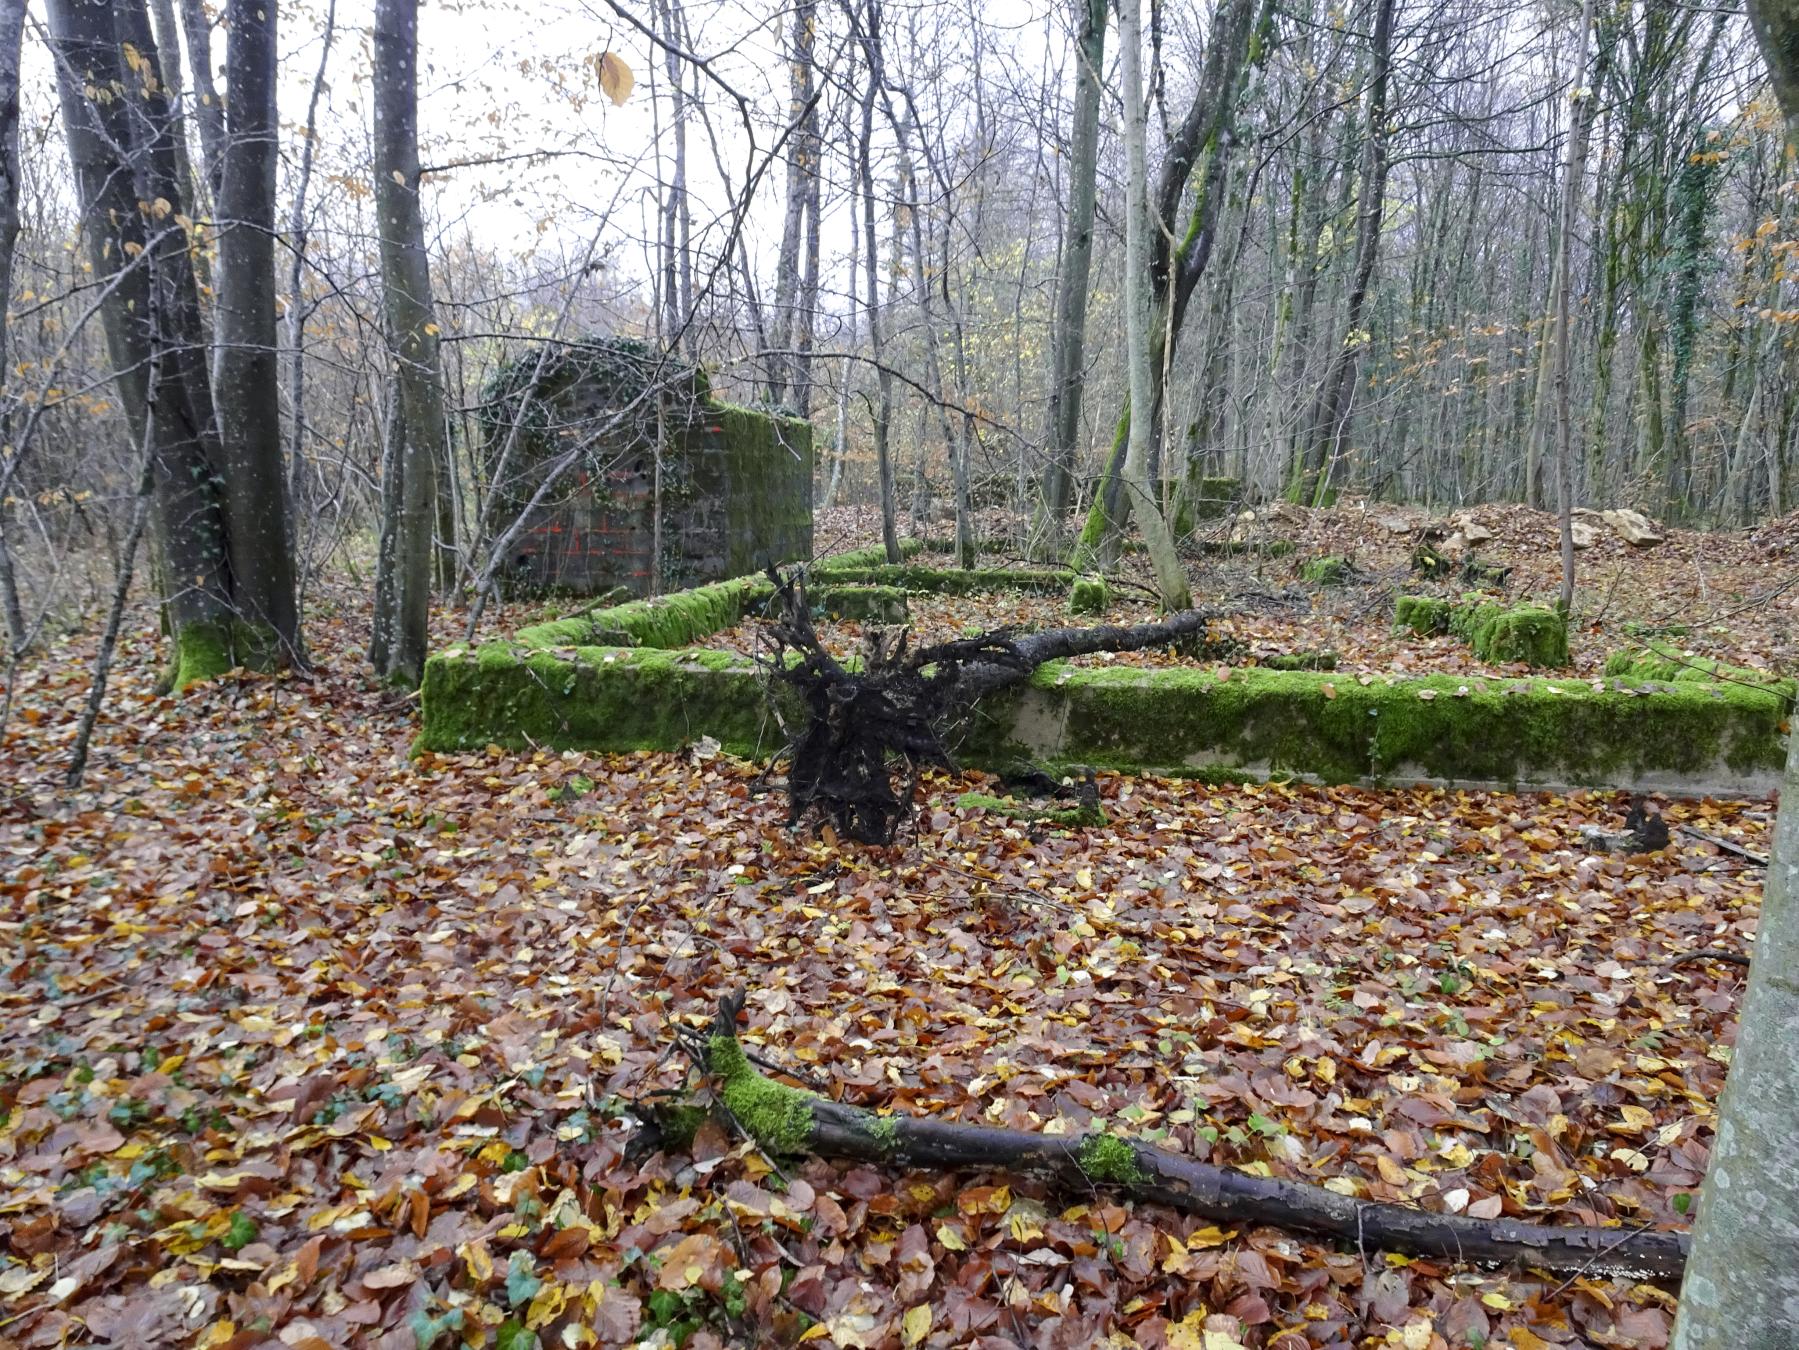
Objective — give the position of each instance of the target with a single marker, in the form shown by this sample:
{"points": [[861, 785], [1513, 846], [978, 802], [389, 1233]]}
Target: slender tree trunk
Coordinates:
{"points": [[1580, 121], [1326, 421], [246, 370], [869, 24], [1171, 577], [1068, 336], [782, 371], [1195, 162], [298, 229], [12, 28], [209, 109], [403, 582]]}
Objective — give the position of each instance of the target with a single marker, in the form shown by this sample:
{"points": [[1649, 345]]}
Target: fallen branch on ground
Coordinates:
{"points": [[1709, 954], [790, 1121], [1725, 846]]}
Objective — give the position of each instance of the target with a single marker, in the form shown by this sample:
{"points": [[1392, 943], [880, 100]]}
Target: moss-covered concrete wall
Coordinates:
{"points": [[658, 484], [1687, 738], [594, 698]]}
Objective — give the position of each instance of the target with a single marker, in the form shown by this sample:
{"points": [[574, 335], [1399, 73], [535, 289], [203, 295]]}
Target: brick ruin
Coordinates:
{"points": [[633, 476]]}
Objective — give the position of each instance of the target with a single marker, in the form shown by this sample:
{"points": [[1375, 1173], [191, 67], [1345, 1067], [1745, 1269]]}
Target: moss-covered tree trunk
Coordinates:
{"points": [[122, 153], [789, 1121], [1196, 160]]}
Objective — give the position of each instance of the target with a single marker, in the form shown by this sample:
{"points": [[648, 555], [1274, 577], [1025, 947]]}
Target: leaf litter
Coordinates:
{"points": [[307, 1042]]}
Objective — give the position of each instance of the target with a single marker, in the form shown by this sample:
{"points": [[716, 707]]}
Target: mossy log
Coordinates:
{"points": [[790, 1121]]}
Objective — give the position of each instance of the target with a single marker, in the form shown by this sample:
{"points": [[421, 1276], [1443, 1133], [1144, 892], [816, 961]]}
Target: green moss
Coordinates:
{"points": [[1299, 661], [204, 651], [778, 1117], [874, 604], [677, 1123], [884, 1130], [1106, 1157], [1423, 614], [1338, 730], [1211, 498], [875, 555], [1069, 817], [668, 621], [1530, 634], [945, 580], [1664, 661], [1090, 595], [602, 699], [1259, 548], [1327, 571]]}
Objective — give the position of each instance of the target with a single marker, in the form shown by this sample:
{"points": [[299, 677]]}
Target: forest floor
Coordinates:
{"points": [[305, 1041], [1736, 594]]}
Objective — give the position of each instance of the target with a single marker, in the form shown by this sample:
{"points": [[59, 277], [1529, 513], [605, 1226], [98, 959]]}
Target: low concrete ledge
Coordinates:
{"points": [[1690, 739]]}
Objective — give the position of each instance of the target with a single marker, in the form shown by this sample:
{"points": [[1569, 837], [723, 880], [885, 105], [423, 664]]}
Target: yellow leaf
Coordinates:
{"points": [[1498, 1302], [1084, 878], [916, 1325], [1635, 1120], [547, 1306], [1209, 1236], [616, 78], [951, 1238]]}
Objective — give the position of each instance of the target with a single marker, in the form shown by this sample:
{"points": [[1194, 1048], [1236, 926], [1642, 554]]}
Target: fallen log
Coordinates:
{"points": [[891, 713], [790, 1121]]}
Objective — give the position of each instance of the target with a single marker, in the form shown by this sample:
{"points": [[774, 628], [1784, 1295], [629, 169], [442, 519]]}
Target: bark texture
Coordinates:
{"points": [[246, 369], [416, 426]]}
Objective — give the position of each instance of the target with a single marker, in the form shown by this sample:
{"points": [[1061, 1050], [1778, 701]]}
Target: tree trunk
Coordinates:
{"points": [[1196, 160], [883, 415], [409, 493], [12, 28], [1580, 121], [120, 155], [1171, 577], [787, 1120], [1326, 421], [1068, 337], [246, 369], [783, 373], [1739, 1283], [209, 109], [298, 229]]}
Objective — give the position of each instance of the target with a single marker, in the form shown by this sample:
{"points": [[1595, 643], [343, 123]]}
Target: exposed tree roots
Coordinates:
{"points": [[885, 720], [790, 1121]]}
